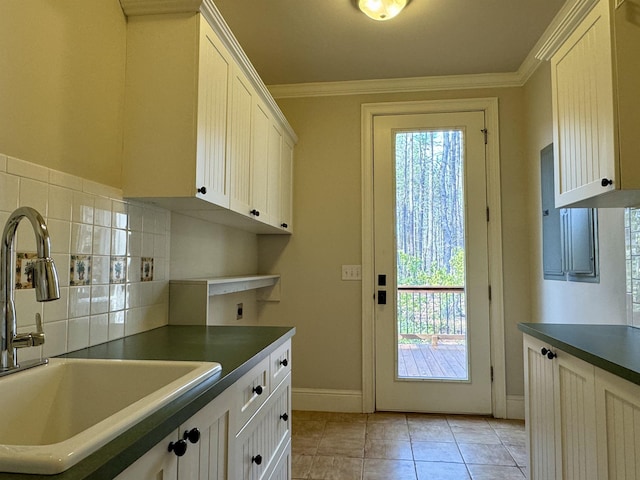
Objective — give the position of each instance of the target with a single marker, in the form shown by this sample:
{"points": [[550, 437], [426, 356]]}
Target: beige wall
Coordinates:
{"points": [[569, 302], [327, 233], [62, 85]]}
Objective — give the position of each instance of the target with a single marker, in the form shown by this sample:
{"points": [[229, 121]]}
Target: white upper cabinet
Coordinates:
{"points": [[596, 108], [199, 123], [286, 185], [176, 112]]}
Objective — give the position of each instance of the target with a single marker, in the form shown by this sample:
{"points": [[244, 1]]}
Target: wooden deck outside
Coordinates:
{"points": [[441, 361]]}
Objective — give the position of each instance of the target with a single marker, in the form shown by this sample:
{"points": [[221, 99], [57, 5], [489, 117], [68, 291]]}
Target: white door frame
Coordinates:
{"points": [[496, 312]]}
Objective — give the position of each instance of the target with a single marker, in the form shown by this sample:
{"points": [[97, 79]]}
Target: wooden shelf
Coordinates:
{"points": [[223, 285]]}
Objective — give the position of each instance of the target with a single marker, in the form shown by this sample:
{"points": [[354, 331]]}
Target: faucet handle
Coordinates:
{"points": [[38, 336]]}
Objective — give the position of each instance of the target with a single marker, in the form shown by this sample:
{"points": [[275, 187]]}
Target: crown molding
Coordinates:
{"points": [[563, 24], [396, 85], [153, 7]]}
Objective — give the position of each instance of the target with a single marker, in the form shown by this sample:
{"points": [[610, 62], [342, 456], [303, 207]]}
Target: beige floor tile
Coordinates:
{"points": [[427, 418], [378, 469], [466, 421], [512, 437], [303, 445], [346, 447], [519, 454], [436, 452], [478, 453], [347, 417], [441, 471], [345, 430], [485, 435], [493, 472], [430, 433], [336, 468], [387, 417], [388, 449], [504, 423], [301, 465], [308, 415], [388, 431], [308, 428]]}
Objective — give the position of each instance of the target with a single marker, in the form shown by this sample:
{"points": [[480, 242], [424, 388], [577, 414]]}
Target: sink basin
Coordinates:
{"points": [[55, 415]]}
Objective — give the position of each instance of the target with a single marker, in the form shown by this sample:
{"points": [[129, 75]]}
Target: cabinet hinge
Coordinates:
{"points": [[487, 214], [492, 374], [485, 131], [489, 292]]}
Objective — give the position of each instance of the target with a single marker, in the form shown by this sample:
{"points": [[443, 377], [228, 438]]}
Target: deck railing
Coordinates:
{"points": [[431, 310]]}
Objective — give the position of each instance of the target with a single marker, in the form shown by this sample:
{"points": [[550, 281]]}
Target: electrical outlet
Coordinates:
{"points": [[351, 272], [239, 311]]}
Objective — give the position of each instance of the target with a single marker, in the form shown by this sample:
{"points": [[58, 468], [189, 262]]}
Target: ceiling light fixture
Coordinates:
{"points": [[381, 9]]}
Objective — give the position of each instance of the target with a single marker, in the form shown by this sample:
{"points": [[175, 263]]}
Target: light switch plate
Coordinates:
{"points": [[351, 272]]}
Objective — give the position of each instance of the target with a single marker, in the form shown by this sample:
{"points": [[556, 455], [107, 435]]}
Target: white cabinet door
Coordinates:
{"points": [[213, 85], [539, 411], [207, 458], [575, 418], [157, 463], [583, 111], [286, 185], [618, 403], [240, 115], [260, 160], [560, 414]]}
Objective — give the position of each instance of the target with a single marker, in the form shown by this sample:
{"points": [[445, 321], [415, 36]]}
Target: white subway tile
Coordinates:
{"points": [[102, 212], [78, 334], [79, 301], [119, 216], [98, 329], [81, 238], [30, 170], [134, 244], [9, 192], [101, 241], [133, 269], [99, 299], [59, 235], [65, 180], [94, 188], [118, 242], [60, 203], [117, 297], [55, 339], [100, 269], [82, 209], [57, 310], [147, 244], [26, 307], [116, 325], [135, 217], [34, 194], [62, 262]]}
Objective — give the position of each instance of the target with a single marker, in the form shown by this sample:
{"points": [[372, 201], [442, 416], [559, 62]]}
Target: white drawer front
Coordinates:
{"points": [[267, 435], [280, 363], [253, 391]]}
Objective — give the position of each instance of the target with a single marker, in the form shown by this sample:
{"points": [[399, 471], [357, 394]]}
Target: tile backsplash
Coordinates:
{"points": [[632, 255], [112, 258]]}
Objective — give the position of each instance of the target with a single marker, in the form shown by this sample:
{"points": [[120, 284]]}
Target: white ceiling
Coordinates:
{"points": [[302, 41]]}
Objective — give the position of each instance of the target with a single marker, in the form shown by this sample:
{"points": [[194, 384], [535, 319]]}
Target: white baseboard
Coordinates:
{"points": [[515, 407], [312, 399]]}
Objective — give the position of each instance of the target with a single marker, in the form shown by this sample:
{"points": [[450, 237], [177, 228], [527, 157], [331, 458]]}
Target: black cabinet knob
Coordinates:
{"points": [[284, 362], [548, 353], [255, 212], [257, 459], [258, 390], [179, 448], [605, 182], [284, 416], [202, 190], [192, 435], [284, 225]]}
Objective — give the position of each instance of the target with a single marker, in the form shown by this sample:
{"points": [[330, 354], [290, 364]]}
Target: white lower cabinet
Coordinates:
{"points": [[582, 422], [241, 434], [560, 414], [618, 404]]}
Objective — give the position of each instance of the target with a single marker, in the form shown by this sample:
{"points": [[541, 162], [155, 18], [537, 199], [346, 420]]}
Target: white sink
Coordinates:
{"points": [[55, 415]]}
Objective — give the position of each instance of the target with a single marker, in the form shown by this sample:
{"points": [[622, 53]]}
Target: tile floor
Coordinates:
{"points": [[398, 446]]}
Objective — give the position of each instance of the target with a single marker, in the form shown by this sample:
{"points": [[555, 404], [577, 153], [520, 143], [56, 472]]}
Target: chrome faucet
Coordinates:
{"points": [[45, 281]]}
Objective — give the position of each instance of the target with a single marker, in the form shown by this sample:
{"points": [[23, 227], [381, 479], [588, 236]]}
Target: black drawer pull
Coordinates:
{"points": [[179, 448], [192, 435], [284, 362], [284, 417], [257, 459], [257, 390]]}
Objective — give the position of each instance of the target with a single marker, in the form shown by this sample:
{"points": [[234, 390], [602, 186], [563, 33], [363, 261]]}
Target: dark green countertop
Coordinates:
{"points": [[238, 349], [614, 348]]}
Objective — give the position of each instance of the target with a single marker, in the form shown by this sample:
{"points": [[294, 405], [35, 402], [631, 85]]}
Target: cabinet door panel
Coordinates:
{"points": [[618, 427], [539, 410], [260, 160], [240, 143], [212, 168], [575, 418], [273, 178], [286, 185], [157, 463], [582, 85]]}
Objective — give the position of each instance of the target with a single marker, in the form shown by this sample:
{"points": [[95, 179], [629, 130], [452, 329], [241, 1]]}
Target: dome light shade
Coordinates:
{"points": [[381, 9]]}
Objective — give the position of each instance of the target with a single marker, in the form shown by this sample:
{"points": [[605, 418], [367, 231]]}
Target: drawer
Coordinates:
{"points": [[280, 363], [252, 390], [282, 470], [262, 441]]}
